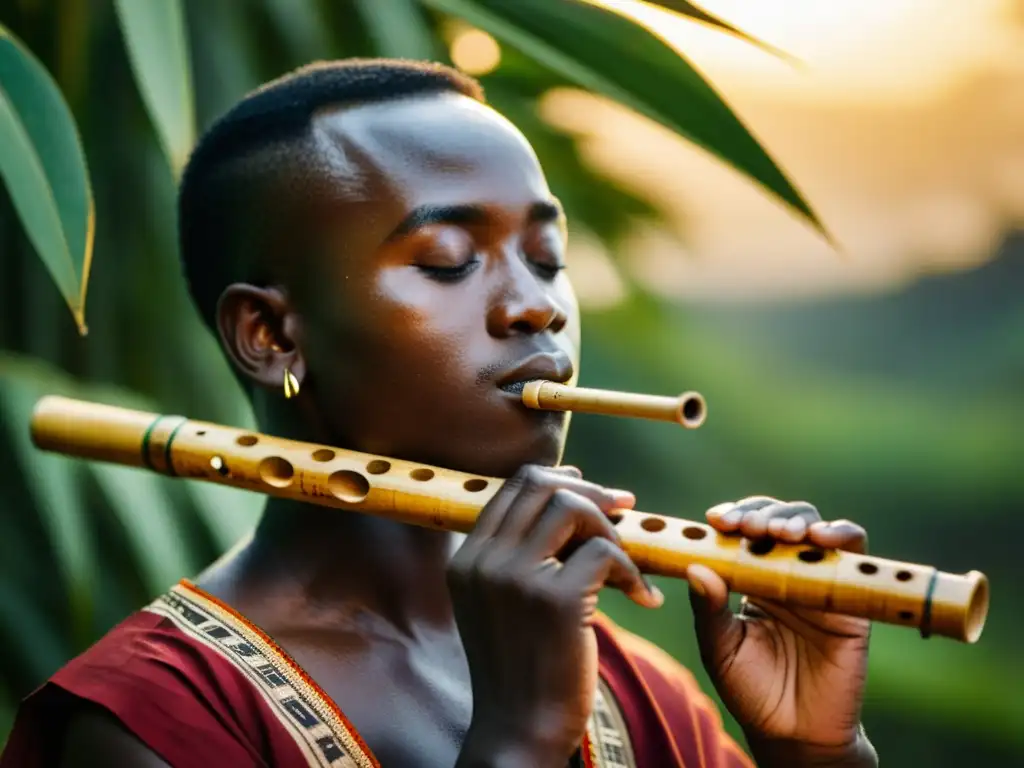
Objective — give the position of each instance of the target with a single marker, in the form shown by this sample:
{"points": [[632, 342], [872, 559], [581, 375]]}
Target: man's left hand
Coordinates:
{"points": [[793, 678]]}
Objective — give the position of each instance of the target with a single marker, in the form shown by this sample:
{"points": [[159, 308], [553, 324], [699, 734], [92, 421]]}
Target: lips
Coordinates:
{"points": [[543, 367]]}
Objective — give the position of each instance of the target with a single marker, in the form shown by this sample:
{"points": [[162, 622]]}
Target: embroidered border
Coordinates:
{"points": [[318, 727], [317, 730], [609, 738]]}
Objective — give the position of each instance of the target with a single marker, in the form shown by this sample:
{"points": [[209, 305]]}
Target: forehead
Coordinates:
{"points": [[437, 149]]}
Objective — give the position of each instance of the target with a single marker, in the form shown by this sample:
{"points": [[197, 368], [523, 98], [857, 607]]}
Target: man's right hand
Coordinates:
{"points": [[524, 587]]}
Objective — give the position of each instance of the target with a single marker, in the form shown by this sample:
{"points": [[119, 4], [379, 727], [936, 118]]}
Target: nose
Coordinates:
{"points": [[522, 304]]}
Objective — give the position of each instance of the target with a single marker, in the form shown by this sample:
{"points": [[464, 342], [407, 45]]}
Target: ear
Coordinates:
{"points": [[259, 330]]}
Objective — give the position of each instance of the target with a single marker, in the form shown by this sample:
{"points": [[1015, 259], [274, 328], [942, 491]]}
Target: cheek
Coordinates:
{"points": [[403, 326]]}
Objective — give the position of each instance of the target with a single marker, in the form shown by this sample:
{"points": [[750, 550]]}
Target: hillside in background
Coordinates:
{"points": [[962, 331]]}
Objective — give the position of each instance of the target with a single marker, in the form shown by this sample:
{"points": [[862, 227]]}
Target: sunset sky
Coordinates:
{"points": [[905, 128]]}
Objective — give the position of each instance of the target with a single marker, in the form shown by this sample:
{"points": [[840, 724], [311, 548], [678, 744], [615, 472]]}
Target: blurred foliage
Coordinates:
{"points": [[911, 426]]}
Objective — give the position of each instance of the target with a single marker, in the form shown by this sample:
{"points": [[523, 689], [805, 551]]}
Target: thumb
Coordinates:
{"points": [[719, 631]]}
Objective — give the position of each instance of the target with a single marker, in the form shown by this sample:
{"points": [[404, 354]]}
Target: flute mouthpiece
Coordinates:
{"points": [[688, 409]]}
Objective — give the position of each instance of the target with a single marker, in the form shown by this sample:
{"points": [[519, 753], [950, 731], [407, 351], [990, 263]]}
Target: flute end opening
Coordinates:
{"points": [[977, 610], [692, 410]]}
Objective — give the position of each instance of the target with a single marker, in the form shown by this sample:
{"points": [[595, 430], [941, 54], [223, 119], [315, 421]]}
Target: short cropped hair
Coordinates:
{"points": [[254, 143]]}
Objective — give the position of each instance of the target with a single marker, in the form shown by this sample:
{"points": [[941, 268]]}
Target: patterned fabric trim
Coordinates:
{"points": [[608, 737], [320, 730]]}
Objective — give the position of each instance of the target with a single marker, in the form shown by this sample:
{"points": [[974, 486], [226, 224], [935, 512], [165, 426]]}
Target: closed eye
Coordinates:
{"points": [[450, 274]]}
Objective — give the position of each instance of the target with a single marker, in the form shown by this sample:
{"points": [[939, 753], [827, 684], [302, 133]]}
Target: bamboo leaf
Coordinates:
{"points": [[610, 54], [228, 513], [44, 168], [301, 27], [398, 28], [154, 33], [141, 503], [691, 11], [54, 483], [28, 637]]}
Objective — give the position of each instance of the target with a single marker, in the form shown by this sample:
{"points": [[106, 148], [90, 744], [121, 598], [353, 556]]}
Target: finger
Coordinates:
{"points": [[839, 534], [718, 630], [599, 563], [494, 510], [513, 508], [567, 517], [568, 469], [791, 530], [755, 522], [526, 508], [522, 514], [727, 517], [708, 586]]}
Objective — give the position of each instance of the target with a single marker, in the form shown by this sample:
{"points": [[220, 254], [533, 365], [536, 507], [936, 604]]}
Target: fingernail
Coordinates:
{"points": [[733, 517], [656, 597], [719, 510]]}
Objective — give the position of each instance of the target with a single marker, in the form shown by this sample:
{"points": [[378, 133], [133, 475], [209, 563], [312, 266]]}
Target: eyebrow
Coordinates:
{"points": [[542, 212]]}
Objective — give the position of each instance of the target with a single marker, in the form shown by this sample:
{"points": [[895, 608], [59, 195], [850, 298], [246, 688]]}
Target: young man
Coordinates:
{"points": [[381, 258]]}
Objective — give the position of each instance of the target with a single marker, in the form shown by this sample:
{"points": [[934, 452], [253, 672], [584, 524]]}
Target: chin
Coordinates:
{"points": [[543, 445]]}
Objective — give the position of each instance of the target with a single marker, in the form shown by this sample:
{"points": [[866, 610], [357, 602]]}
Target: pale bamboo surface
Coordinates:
{"points": [[687, 410], [888, 591]]}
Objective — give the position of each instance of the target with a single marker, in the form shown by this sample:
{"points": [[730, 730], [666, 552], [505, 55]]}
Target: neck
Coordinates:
{"points": [[314, 563], [327, 558]]}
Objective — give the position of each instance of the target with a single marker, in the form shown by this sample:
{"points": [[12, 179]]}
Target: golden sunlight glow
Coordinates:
{"points": [[850, 49], [904, 127], [594, 277], [475, 52]]}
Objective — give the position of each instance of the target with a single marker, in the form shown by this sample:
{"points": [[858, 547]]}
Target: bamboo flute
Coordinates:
{"points": [[889, 591]]}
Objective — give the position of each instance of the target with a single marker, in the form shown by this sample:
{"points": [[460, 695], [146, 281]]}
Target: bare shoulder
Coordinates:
{"points": [[95, 738]]}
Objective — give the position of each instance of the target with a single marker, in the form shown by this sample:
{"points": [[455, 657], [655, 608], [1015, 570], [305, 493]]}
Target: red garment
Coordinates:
{"points": [[167, 677]]}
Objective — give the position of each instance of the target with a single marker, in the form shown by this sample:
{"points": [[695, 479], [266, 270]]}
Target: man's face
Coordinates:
{"points": [[437, 286]]}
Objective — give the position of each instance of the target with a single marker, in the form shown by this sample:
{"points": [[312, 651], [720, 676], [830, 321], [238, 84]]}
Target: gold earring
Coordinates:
{"points": [[291, 384]]}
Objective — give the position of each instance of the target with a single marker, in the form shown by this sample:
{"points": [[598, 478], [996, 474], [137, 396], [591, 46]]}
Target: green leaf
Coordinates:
{"points": [[53, 481], [141, 502], [607, 53], [301, 27], [228, 513], [691, 11], [28, 637], [398, 28], [154, 33], [43, 166]]}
